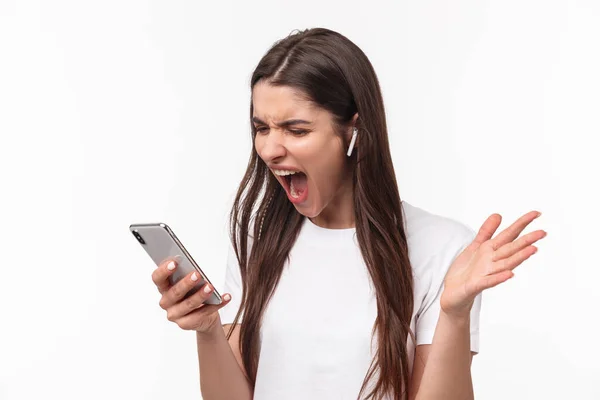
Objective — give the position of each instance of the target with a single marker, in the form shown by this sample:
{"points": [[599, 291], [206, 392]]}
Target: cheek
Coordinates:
{"points": [[326, 150], [327, 167]]}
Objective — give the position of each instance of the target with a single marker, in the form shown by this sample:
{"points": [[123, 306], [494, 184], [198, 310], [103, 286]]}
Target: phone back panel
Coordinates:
{"points": [[161, 244]]}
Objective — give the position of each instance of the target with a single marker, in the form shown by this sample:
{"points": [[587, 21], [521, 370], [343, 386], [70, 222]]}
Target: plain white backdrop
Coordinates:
{"points": [[117, 112]]}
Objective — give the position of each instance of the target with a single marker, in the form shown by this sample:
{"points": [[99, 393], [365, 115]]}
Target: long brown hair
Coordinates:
{"points": [[337, 76]]}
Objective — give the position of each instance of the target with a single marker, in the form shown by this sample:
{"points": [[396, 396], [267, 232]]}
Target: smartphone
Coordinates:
{"points": [[160, 243]]}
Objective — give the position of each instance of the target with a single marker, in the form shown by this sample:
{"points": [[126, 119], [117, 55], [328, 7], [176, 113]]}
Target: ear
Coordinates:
{"points": [[354, 119], [352, 135], [351, 129]]}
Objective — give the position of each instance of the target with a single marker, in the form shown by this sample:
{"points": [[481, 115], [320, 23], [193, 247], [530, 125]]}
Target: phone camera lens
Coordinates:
{"points": [[138, 237]]}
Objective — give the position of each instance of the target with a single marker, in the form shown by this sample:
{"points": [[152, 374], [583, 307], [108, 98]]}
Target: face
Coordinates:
{"points": [[311, 146]]}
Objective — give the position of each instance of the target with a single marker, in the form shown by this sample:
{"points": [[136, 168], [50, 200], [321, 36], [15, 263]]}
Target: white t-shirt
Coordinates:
{"points": [[316, 332]]}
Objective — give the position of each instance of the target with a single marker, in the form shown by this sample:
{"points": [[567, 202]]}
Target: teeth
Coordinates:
{"points": [[282, 172], [293, 191]]}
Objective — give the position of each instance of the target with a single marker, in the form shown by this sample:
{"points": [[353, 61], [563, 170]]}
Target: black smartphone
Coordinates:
{"points": [[160, 243]]}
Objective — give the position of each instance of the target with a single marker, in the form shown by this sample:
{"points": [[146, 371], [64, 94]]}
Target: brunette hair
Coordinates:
{"points": [[334, 74]]}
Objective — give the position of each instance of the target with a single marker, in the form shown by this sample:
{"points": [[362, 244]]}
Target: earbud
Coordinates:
{"points": [[354, 133]]}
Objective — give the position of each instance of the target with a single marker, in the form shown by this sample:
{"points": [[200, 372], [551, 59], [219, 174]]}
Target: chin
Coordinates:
{"points": [[305, 212], [309, 211]]}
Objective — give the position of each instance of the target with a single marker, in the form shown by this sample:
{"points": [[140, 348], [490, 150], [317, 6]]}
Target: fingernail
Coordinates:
{"points": [[171, 266], [207, 289], [194, 277], [227, 297], [538, 214]]}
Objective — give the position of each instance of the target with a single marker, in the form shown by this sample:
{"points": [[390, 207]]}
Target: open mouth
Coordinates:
{"points": [[295, 185]]}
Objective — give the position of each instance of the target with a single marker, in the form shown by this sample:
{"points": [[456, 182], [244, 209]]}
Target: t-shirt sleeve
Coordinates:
{"points": [[429, 311], [233, 286]]}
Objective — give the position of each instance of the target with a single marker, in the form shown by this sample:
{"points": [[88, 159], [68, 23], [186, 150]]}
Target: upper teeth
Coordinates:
{"points": [[282, 172]]}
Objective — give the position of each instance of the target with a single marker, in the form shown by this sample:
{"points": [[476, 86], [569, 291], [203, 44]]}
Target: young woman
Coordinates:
{"points": [[342, 290]]}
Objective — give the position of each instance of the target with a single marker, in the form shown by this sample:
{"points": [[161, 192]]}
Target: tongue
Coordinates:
{"points": [[298, 182]]}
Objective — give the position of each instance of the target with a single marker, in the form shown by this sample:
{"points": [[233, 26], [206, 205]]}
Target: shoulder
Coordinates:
{"points": [[431, 236]]}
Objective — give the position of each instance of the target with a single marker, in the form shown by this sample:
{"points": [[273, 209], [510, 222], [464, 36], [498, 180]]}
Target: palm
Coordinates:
{"points": [[487, 262]]}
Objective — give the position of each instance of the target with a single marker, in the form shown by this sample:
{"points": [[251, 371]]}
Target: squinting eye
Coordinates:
{"points": [[260, 129], [298, 132]]}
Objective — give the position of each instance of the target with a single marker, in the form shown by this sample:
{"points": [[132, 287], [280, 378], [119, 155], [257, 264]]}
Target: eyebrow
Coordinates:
{"points": [[283, 124]]}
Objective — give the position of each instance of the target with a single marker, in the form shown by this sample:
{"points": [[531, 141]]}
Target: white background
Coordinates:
{"points": [[116, 112]]}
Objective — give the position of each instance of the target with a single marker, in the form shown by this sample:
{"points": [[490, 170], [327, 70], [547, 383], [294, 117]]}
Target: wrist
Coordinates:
{"points": [[212, 333], [458, 310], [457, 318]]}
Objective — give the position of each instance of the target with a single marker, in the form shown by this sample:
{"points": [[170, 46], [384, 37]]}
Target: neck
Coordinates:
{"points": [[333, 224], [339, 213]]}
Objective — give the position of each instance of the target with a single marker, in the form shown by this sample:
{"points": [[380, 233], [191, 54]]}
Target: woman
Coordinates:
{"points": [[342, 291]]}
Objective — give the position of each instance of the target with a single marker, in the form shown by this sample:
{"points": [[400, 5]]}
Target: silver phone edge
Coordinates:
{"points": [[183, 249]]}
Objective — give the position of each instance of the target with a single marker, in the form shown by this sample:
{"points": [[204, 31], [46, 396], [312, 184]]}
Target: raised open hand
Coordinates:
{"points": [[487, 262]]}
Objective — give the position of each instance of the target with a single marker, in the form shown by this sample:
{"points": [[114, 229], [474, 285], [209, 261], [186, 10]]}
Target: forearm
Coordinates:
{"points": [[220, 375], [447, 374]]}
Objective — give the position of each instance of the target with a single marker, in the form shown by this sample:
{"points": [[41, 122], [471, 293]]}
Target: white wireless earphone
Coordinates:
{"points": [[354, 133]]}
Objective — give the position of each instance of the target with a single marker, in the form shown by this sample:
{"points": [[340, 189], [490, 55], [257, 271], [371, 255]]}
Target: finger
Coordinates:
{"points": [[191, 303], [160, 276], [511, 248], [488, 229], [513, 231], [191, 320], [515, 260], [490, 281], [179, 290]]}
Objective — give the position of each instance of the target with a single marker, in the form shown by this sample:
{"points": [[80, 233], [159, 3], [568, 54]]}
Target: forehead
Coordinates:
{"points": [[281, 102]]}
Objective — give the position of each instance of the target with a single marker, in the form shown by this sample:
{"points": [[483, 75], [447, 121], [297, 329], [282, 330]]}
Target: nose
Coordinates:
{"points": [[270, 146]]}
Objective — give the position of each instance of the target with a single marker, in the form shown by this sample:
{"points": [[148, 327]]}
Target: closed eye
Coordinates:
{"points": [[297, 132]]}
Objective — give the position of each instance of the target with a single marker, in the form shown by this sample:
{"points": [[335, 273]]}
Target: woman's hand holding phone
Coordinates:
{"points": [[188, 313]]}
